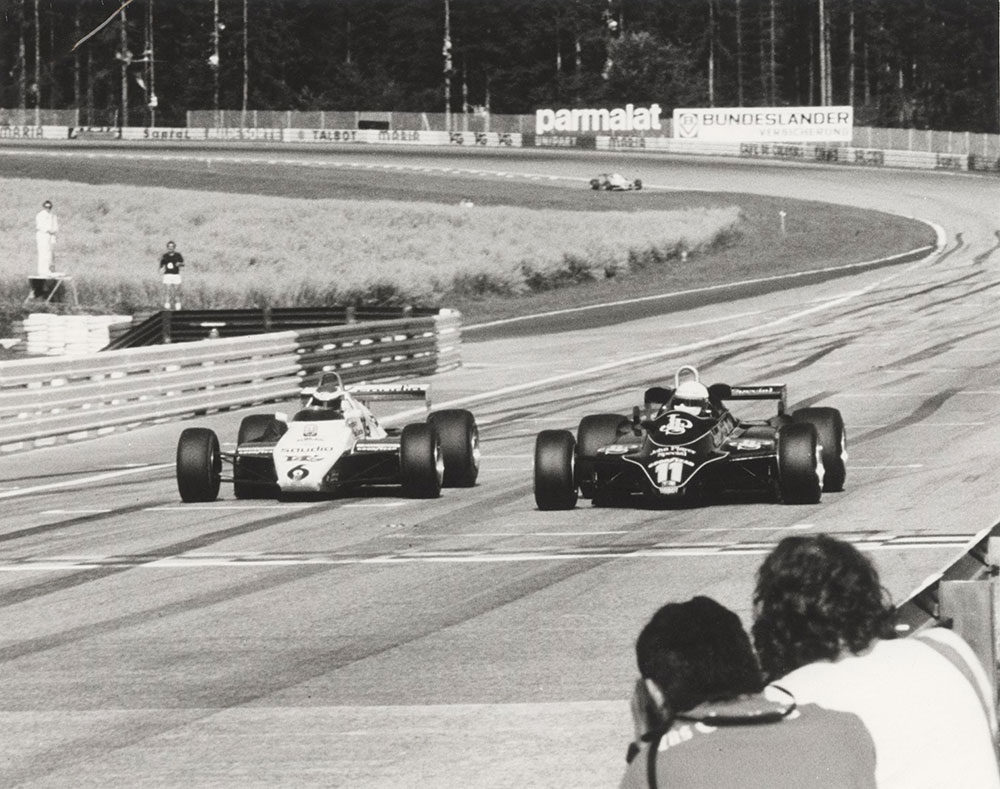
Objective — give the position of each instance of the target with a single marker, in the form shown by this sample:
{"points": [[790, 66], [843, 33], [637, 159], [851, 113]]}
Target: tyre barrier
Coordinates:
{"points": [[49, 334], [81, 397]]}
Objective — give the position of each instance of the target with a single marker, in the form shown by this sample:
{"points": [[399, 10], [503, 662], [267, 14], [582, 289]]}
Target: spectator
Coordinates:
{"points": [[46, 227], [702, 721], [171, 263], [824, 632]]}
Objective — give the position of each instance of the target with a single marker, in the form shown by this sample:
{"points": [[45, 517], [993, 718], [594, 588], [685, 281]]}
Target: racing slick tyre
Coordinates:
{"points": [[829, 426], [595, 431], [199, 465], [799, 469], [595, 183], [555, 482], [459, 436], [249, 474], [421, 464], [637, 184]]}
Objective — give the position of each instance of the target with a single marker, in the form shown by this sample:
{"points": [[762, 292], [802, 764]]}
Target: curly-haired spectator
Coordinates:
{"points": [[824, 631], [703, 720]]}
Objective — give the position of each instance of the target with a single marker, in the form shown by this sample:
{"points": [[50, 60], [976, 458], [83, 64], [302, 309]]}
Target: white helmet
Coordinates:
{"points": [[326, 398], [690, 397]]}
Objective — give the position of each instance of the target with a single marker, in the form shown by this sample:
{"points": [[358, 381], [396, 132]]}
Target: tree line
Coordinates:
{"points": [[900, 63]]}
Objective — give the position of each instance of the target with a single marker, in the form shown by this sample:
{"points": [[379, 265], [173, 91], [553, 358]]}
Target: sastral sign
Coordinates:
{"points": [[621, 119], [765, 124]]}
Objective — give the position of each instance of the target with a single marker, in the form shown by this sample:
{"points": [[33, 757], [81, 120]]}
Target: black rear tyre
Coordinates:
{"points": [[555, 475], [251, 475], [421, 465], [595, 431], [199, 465], [260, 427], [832, 435], [459, 436], [798, 464]]}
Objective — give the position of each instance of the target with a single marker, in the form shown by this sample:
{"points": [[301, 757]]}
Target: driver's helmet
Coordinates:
{"points": [[691, 397], [328, 400]]}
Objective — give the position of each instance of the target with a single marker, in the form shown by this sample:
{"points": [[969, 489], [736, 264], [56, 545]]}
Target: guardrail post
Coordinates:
{"points": [[969, 607], [268, 319], [993, 561], [350, 314], [165, 325]]}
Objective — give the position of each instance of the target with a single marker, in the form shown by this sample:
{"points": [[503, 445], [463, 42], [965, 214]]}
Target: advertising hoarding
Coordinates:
{"points": [[765, 124]]}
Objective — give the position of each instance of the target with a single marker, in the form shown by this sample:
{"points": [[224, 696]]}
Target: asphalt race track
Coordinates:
{"points": [[472, 641]]}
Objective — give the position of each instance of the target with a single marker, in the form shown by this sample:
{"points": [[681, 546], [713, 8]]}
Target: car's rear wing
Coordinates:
{"points": [[751, 392], [388, 392]]}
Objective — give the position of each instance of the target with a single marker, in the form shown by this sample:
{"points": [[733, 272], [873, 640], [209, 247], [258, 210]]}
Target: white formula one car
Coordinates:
{"points": [[615, 182], [334, 443]]}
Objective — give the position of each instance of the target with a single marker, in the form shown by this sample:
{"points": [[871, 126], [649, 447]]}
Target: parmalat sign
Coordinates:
{"points": [[622, 119]]}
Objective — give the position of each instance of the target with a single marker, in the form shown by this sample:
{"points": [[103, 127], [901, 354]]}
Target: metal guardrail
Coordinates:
{"points": [[964, 596], [42, 402], [190, 325]]}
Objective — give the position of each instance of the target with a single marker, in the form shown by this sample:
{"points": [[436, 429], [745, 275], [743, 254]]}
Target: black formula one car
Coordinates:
{"points": [[615, 182], [684, 444], [334, 443]]}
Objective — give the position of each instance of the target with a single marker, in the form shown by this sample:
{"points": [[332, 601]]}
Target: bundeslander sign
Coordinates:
{"points": [[765, 124], [622, 119]]}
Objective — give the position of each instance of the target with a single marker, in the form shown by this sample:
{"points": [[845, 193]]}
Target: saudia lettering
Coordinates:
{"points": [[628, 118]]}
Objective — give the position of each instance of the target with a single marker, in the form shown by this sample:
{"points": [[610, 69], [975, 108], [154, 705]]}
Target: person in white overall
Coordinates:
{"points": [[46, 227]]}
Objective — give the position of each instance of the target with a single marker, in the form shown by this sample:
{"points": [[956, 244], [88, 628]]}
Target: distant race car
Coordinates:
{"points": [[684, 444], [615, 182], [334, 443]]}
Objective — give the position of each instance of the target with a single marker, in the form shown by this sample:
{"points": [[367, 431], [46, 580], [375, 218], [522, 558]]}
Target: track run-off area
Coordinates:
{"points": [[472, 640]]}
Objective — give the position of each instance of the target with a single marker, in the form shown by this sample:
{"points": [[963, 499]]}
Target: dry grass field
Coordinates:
{"points": [[298, 237]]}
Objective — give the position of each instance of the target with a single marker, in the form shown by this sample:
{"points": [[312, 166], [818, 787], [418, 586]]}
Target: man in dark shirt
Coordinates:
{"points": [[171, 263], [704, 720]]}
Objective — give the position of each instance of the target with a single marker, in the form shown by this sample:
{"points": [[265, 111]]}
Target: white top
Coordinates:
{"points": [[46, 222], [927, 720]]}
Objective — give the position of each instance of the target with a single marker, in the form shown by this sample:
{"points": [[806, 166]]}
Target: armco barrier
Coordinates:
{"points": [[965, 596], [188, 325], [41, 403], [937, 151], [800, 152]]}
